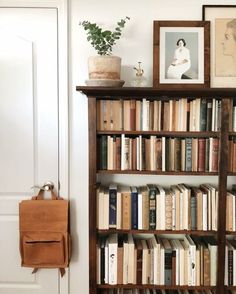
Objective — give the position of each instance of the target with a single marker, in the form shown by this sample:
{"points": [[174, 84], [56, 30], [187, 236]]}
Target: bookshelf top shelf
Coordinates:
{"points": [[156, 92]]}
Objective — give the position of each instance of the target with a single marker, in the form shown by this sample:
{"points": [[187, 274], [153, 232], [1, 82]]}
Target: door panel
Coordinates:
{"points": [[28, 133]]}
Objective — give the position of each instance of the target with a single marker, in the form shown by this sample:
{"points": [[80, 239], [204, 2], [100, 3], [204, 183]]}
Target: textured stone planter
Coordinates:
{"points": [[104, 67]]}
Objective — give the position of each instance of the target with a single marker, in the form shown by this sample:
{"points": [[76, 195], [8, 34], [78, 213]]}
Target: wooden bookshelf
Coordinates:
{"points": [[96, 93]]}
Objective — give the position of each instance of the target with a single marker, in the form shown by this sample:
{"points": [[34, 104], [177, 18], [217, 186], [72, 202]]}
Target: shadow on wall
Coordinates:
{"points": [[73, 232]]}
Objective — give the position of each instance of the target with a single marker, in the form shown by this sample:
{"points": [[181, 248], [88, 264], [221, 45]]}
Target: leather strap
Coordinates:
{"points": [[62, 271], [34, 270], [40, 195]]}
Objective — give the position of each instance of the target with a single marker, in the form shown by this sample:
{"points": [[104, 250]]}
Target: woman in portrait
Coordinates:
{"points": [[181, 62], [229, 45]]}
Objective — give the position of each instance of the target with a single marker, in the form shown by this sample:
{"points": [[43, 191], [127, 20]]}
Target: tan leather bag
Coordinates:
{"points": [[44, 232]]}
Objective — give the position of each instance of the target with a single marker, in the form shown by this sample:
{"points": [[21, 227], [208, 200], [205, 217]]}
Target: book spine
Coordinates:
{"points": [[168, 267], [152, 209], [188, 154], [104, 152], [209, 116], [134, 210], [230, 267], [203, 115], [215, 152], [112, 208], [193, 213], [201, 154]]}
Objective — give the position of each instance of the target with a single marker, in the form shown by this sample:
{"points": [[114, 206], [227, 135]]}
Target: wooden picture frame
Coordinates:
{"points": [[223, 43], [188, 66]]}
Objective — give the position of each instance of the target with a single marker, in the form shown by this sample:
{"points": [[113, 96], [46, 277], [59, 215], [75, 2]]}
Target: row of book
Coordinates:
{"points": [[156, 115], [158, 154], [153, 291], [152, 207], [190, 261]]}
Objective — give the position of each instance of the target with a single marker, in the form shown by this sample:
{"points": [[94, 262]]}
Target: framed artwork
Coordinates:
{"points": [[181, 54], [223, 43]]}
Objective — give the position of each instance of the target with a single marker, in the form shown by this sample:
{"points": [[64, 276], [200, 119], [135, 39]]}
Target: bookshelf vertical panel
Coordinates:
{"points": [[92, 193], [223, 160]]}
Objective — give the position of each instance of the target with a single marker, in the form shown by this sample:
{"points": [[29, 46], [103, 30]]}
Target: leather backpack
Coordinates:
{"points": [[44, 232]]}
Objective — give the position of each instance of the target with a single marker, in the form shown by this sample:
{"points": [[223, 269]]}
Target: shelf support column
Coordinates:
{"points": [[223, 169], [92, 193]]}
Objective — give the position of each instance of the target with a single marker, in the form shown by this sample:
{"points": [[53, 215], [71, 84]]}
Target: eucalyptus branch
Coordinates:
{"points": [[103, 41]]}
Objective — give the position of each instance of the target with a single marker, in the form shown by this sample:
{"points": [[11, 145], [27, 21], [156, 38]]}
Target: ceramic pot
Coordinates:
{"points": [[104, 67]]}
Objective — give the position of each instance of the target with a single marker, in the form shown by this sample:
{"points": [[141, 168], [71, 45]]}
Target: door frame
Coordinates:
{"points": [[63, 105]]}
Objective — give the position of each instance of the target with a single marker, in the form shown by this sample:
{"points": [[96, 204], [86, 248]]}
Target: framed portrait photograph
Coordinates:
{"points": [[223, 43], [181, 54]]}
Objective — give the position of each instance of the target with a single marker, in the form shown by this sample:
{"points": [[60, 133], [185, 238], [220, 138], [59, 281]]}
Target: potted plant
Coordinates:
{"points": [[104, 69]]}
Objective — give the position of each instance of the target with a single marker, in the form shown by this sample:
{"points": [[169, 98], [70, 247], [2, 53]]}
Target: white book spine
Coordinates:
{"points": [[204, 212], [140, 211], [173, 211], [112, 248], [234, 119], [122, 152], [163, 151], [213, 115], [233, 209], [140, 153], [137, 153]]}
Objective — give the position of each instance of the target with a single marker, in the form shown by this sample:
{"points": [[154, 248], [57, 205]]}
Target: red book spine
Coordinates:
{"points": [[201, 154], [215, 152]]}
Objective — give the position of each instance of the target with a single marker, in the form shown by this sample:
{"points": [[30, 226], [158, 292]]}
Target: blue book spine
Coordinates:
{"points": [[134, 210], [112, 207]]}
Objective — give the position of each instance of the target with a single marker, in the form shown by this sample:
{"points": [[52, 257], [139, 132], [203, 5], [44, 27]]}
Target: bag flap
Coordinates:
{"points": [[44, 215], [42, 237]]}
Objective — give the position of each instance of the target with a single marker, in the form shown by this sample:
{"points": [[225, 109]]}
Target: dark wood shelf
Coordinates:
{"points": [[151, 92], [147, 172], [172, 232], [161, 287], [162, 133], [230, 233]]}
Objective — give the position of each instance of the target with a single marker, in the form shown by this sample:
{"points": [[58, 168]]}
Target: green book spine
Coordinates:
{"points": [[104, 152], [188, 166]]}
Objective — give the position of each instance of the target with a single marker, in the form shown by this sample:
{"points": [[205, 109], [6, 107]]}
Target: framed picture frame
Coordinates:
{"points": [[223, 43], [181, 54]]}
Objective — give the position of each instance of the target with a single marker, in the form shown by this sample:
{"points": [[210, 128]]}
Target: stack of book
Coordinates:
{"points": [[152, 207], [125, 259], [158, 154], [170, 115]]}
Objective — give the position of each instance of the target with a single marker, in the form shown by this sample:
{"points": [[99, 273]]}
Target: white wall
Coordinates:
{"points": [[135, 45]]}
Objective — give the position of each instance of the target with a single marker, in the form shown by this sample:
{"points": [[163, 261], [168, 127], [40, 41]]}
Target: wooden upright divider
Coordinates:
{"points": [[223, 163], [92, 193]]}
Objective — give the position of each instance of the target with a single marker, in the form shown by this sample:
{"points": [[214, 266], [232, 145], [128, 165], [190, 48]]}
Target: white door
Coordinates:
{"points": [[28, 133]]}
